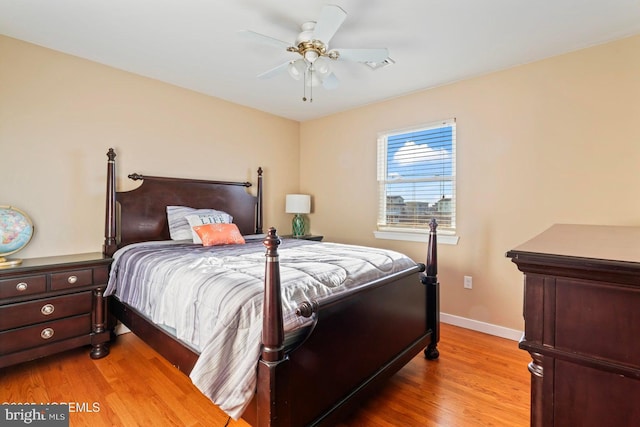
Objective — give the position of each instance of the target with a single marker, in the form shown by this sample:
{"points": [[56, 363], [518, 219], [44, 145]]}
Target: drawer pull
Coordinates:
{"points": [[46, 333], [72, 279], [47, 309], [21, 287]]}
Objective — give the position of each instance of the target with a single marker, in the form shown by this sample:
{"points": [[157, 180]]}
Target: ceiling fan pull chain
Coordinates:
{"points": [[304, 86], [311, 85]]}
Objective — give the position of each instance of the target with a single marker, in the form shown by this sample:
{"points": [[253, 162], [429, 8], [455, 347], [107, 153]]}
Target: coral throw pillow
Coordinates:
{"points": [[219, 234]]}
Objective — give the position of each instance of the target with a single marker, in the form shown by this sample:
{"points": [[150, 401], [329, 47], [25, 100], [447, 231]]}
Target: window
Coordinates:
{"points": [[416, 177]]}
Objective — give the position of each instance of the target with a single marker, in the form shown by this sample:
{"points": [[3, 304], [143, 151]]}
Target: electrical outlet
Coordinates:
{"points": [[468, 282]]}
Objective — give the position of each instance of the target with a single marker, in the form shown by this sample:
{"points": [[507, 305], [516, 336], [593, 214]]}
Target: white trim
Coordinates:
{"points": [[447, 239], [426, 126], [120, 329], [487, 328]]}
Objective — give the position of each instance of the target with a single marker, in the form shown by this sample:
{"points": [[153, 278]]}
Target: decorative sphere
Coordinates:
{"points": [[16, 230]]}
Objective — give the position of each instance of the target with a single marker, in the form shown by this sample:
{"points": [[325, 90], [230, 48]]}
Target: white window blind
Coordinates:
{"points": [[417, 178]]}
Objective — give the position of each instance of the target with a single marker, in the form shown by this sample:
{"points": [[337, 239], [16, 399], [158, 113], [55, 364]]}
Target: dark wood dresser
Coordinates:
{"points": [[582, 324], [52, 304]]}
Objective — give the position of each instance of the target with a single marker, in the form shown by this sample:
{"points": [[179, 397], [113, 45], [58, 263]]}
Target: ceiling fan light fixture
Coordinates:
{"points": [[322, 67], [297, 68], [311, 56]]}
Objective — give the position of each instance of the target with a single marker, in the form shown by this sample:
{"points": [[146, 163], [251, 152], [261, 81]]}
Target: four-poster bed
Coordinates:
{"points": [[352, 340]]}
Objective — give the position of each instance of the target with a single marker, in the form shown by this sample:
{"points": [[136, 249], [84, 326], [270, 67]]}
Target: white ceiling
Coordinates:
{"points": [[195, 43]]}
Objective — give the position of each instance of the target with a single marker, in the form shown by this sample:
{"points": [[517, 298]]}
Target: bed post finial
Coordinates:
{"points": [[110, 244]]}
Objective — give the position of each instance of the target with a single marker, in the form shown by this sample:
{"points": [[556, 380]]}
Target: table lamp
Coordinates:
{"points": [[298, 204]]}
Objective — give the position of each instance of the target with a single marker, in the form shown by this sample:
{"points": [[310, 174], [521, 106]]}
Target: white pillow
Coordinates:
{"points": [[179, 228], [217, 217]]}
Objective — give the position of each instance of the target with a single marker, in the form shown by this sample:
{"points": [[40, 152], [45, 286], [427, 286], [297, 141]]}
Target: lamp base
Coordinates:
{"points": [[297, 225]]}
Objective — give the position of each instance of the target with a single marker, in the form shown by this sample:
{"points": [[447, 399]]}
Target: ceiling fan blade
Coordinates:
{"points": [[363, 55], [275, 70], [331, 18], [330, 82], [252, 35]]}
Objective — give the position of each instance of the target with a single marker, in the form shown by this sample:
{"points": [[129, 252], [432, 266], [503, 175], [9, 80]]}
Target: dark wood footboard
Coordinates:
{"points": [[359, 340]]}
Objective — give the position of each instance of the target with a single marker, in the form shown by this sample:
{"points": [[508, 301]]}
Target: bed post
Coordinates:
{"points": [[110, 244], [259, 204], [272, 396], [430, 280]]}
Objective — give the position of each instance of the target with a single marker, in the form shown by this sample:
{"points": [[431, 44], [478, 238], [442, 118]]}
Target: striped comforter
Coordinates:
{"points": [[211, 298]]}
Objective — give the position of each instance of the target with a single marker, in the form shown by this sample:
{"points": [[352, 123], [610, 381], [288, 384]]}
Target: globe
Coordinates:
{"points": [[16, 230]]}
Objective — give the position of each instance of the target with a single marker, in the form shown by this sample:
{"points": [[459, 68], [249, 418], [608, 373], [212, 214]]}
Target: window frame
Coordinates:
{"points": [[447, 235]]}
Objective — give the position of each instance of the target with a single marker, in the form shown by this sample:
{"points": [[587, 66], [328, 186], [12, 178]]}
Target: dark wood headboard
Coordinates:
{"points": [[140, 215]]}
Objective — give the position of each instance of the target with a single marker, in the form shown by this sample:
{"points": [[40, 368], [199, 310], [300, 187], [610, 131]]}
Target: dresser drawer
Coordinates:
{"points": [[71, 279], [44, 310], [25, 285], [44, 333]]}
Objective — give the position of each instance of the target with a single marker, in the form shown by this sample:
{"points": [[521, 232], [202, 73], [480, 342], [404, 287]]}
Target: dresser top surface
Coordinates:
{"points": [[602, 242], [31, 264]]}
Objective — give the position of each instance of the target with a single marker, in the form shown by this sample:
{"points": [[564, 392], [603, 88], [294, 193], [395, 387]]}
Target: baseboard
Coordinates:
{"points": [[121, 329], [476, 325]]}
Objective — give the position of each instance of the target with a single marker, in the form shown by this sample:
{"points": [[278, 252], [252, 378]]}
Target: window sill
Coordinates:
{"points": [[447, 239]]}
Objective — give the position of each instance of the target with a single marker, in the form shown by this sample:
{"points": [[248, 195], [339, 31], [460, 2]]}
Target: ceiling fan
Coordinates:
{"points": [[313, 65]]}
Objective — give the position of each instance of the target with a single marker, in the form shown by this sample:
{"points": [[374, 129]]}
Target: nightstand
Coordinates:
{"points": [[305, 237], [52, 304]]}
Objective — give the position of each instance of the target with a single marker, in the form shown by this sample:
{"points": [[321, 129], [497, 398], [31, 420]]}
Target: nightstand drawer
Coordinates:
{"points": [[71, 279], [44, 310], [25, 285], [44, 333]]}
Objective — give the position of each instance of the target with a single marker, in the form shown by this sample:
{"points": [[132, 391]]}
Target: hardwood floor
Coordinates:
{"points": [[479, 380]]}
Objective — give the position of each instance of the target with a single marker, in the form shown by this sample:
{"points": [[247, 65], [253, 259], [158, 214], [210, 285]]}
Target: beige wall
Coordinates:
{"points": [[556, 141], [59, 114], [550, 142]]}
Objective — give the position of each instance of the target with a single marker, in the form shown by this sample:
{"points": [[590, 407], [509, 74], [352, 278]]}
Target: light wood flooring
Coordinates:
{"points": [[479, 380]]}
